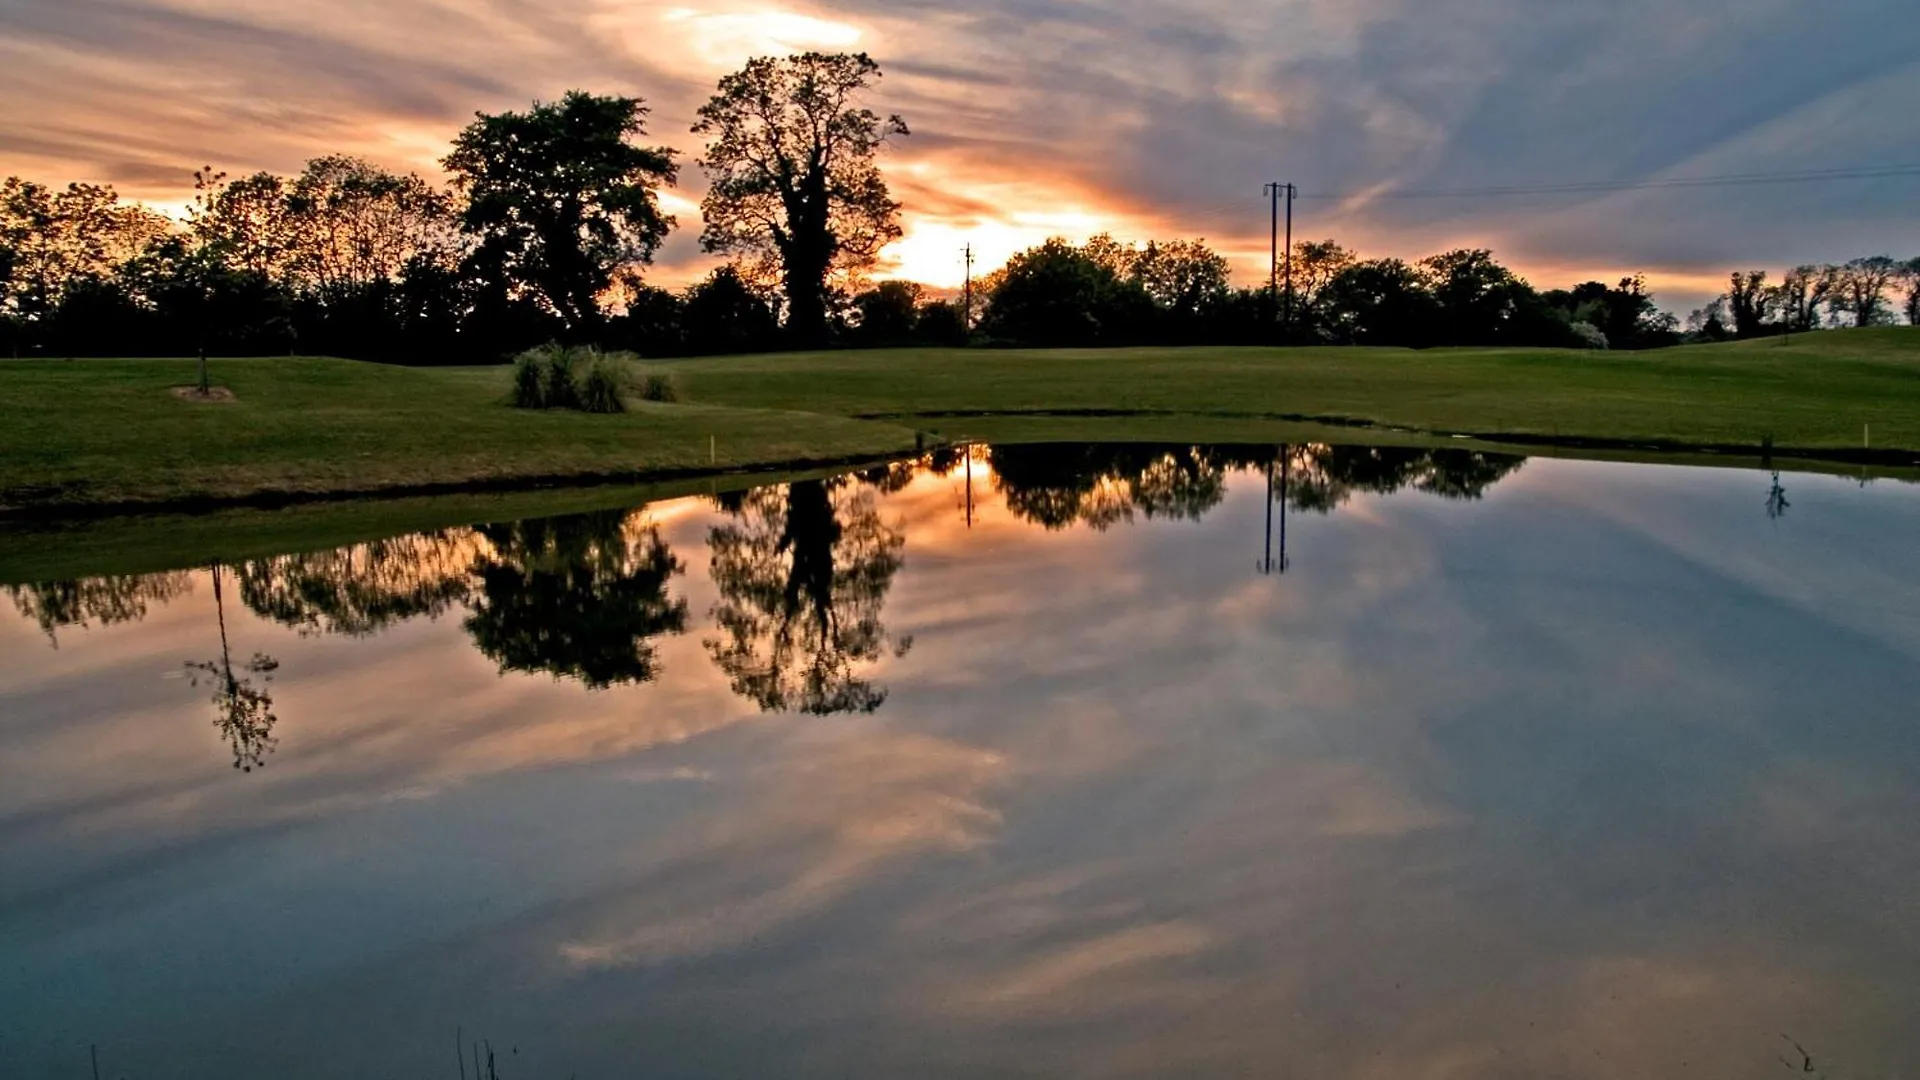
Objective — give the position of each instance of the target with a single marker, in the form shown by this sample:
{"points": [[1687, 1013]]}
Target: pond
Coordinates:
{"points": [[1020, 761]]}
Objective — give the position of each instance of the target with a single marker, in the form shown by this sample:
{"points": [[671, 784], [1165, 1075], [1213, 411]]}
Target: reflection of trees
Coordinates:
{"points": [[1102, 485], [803, 573], [1057, 486], [244, 711], [362, 589], [1325, 477], [578, 597], [56, 605]]}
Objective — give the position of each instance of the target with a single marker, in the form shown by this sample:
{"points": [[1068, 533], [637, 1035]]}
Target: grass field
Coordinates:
{"points": [[1819, 393], [87, 434]]}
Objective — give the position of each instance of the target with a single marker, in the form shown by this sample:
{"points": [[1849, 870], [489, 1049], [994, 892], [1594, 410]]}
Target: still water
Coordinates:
{"points": [[1063, 761]]}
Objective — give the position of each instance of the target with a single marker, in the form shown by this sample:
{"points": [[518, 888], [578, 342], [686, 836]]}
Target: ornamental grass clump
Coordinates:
{"points": [[659, 386], [599, 388], [569, 377]]}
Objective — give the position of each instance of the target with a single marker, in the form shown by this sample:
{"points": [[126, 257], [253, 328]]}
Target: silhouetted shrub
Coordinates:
{"points": [[600, 387], [659, 386], [569, 377], [529, 382]]}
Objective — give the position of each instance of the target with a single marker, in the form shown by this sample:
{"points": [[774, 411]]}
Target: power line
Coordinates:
{"points": [[1805, 176]]}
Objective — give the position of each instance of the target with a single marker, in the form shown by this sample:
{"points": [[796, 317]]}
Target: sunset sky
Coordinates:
{"points": [[1067, 117]]}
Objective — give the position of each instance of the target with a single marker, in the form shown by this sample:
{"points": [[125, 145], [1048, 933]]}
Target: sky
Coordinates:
{"points": [[1031, 118]]}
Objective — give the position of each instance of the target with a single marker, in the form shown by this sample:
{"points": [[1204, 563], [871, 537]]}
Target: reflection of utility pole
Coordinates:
{"points": [[1267, 563], [1777, 504], [969, 452], [1266, 551], [1286, 473]]}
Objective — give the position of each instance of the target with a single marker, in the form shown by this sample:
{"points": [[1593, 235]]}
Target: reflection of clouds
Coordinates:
{"points": [[1478, 790], [829, 816], [1087, 977]]}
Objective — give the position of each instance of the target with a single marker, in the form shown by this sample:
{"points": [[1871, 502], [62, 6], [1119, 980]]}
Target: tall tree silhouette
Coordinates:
{"points": [[244, 711], [577, 597], [803, 573], [560, 200], [794, 187]]}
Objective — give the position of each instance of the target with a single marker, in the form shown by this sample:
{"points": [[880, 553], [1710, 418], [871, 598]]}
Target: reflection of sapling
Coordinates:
{"points": [[245, 711]]}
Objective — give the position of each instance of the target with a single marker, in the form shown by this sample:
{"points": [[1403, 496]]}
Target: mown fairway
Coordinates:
{"points": [[1816, 393], [93, 432]]}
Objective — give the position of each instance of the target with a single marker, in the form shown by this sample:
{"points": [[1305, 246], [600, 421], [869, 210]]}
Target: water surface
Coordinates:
{"points": [[1059, 761]]}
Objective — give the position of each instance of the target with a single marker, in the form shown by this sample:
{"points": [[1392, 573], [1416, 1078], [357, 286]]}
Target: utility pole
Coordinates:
{"points": [[1272, 191], [1291, 192], [1277, 253], [966, 311]]}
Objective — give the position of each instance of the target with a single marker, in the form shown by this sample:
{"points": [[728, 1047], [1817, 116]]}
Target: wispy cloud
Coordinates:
{"points": [[1065, 116]]}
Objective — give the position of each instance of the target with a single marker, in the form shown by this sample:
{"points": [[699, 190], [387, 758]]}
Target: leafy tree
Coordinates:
{"points": [[654, 324], [941, 323], [1381, 302], [559, 200], [1802, 293], [724, 315], [1057, 294], [577, 597], [1186, 278], [1624, 314], [887, 314], [1477, 297], [1910, 281], [205, 304], [1860, 289], [54, 239], [248, 221], [1316, 264], [803, 573], [794, 184], [355, 225], [1751, 303]]}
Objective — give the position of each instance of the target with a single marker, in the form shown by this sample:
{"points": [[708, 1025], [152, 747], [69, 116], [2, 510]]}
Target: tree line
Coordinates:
{"points": [[552, 216], [1873, 291]]}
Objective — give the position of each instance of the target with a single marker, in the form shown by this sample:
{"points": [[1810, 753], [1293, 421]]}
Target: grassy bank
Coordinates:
{"points": [[92, 432], [85, 434], [1818, 393]]}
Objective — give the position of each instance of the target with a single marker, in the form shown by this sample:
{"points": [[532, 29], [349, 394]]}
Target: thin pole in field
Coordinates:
{"points": [[966, 316], [1272, 191], [1291, 192]]}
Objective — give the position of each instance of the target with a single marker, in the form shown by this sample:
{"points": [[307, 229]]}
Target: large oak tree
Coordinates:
{"points": [[795, 189]]}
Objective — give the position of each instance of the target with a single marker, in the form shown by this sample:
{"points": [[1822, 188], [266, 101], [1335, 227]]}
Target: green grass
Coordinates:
{"points": [[90, 432], [1817, 394], [85, 434]]}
